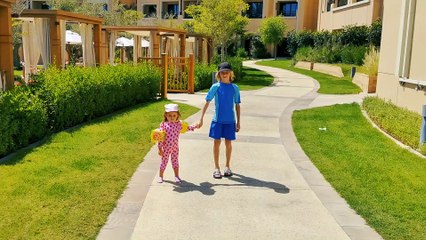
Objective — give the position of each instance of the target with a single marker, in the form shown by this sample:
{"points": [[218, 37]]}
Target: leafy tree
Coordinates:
{"points": [[117, 14], [219, 19], [272, 31]]}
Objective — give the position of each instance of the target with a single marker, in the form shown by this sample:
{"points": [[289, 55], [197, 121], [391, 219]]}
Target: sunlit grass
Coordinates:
{"points": [[67, 187]]}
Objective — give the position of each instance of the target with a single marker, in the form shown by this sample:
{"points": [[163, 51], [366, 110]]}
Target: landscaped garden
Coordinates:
{"points": [[381, 181]]}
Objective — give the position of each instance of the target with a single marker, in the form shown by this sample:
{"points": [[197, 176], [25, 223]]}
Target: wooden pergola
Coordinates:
{"points": [[154, 32], [6, 42], [55, 16]]}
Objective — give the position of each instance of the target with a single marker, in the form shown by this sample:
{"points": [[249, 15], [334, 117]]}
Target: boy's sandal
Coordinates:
{"points": [[227, 173], [217, 174]]}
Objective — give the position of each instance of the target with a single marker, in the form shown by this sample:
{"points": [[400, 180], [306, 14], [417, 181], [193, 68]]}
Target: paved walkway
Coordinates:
{"points": [[276, 192]]}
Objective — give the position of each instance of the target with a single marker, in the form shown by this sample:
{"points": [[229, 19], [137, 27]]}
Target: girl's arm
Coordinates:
{"points": [[200, 124], [238, 110]]}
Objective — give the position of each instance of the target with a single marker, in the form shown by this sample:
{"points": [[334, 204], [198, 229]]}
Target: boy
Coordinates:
{"points": [[224, 124]]}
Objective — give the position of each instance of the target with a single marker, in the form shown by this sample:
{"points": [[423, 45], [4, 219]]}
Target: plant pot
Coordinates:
{"points": [[372, 82]]}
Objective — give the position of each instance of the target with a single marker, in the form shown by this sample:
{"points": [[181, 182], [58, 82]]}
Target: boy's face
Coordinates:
{"points": [[225, 75], [172, 116]]}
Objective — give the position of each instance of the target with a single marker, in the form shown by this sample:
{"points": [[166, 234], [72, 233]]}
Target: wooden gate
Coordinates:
{"points": [[178, 73]]}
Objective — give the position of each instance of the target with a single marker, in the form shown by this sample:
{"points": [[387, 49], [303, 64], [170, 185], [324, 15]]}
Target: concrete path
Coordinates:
{"points": [[275, 193]]}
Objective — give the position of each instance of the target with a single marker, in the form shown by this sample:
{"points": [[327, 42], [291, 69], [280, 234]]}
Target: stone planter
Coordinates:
{"points": [[365, 82]]}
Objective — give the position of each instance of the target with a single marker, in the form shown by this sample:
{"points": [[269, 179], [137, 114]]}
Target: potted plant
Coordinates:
{"points": [[371, 64]]}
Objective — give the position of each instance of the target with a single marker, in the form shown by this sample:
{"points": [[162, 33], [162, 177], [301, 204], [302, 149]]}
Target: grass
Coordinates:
{"points": [[328, 84], [67, 187], [384, 183], [254, 79], [398, 122]]}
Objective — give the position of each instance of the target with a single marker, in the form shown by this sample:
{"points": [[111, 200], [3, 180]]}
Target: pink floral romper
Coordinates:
{"points": [[170, 145]]}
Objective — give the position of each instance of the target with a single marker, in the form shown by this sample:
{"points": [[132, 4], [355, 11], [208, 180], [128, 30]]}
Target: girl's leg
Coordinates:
{"points": [[216, 147], [175, 162], [163, 164], [228, 145]]}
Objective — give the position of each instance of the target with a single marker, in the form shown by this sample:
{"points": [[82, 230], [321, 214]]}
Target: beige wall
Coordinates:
{"points": [[388, 86], [354, 13]]}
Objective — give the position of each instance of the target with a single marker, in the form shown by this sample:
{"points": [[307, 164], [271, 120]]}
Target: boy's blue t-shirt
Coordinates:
{"points": [[225, 96]]}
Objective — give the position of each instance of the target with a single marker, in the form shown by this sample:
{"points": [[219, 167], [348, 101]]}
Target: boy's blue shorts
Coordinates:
{"points": [[222, 130]]}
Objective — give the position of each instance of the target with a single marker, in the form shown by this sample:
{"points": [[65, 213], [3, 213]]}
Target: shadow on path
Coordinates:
{"points": [[206, 188]]}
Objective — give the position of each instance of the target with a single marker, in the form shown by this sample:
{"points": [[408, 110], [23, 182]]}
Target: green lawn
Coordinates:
{"points": [[254, 79], [67, 187], [384, 183], [328, 84]]}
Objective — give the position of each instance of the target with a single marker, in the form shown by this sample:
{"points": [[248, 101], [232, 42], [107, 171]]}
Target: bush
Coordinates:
{"points": [[371, 61], [304, 54], [353, 54], [354, 35], [400, 123], [203, 76], [23, 119], [258, 48], [375, 35], [242, 53], [75, 95]]}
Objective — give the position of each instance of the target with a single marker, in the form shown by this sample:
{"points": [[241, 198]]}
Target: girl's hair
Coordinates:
{"points": [[165, 118], [231, 77]]}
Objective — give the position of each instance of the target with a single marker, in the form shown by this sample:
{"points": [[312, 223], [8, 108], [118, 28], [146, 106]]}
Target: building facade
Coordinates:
{"points": [[336, 14], [402, 74]]}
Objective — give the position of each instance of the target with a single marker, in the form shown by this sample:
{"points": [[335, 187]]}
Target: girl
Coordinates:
{"points": [[169, 148], [224, 123]]}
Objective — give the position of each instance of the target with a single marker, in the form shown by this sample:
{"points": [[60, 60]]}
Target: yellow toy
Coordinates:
{"points": [[184, 127], [157, 135]]}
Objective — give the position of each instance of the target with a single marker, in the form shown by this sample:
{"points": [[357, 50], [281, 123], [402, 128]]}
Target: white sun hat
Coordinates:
{"points": [[171, 107]]}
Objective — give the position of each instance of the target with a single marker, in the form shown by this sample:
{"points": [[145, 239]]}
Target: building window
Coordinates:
{"points": [[255, 10], [105, 6], [150, 11], [342, 3], [172, 10], [329, 3], [288, 9]]}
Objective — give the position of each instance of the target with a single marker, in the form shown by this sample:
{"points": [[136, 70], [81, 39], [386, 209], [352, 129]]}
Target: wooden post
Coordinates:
{"points": [[97, 38], [191, 73], [182, 45], [55, 41], [164, 64], [6, 44]]}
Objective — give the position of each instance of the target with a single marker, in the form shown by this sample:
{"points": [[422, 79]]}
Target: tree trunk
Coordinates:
{"points": [[275, 51], [222, 52]]}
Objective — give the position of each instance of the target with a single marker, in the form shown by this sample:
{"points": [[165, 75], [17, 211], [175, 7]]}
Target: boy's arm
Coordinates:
{"points": [[238, 111], [200, 124]]}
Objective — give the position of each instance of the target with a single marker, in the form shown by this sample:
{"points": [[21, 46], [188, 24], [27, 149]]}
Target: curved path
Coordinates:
{"points": [[276, 192]]}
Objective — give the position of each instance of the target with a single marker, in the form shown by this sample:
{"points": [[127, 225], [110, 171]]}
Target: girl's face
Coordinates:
{"points": [[172, 116]]}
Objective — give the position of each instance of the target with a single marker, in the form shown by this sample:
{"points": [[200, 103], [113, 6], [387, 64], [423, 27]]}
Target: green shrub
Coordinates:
{"points": [[23, 119], [353, 54], [304, 54], [354, 35], [375, 35], [203, 76], [322, 38], [371, 61], [242, 53], [400, 123], [75, 95], [258, 48]]}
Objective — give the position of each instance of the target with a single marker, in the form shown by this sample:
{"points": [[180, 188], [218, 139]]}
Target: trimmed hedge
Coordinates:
{"points": [[23, 119], [60, 99], [400, 123]]}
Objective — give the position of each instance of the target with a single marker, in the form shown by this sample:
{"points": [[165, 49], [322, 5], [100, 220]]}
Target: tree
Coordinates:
{"points": [[219, 19], [117, 14], [272, 32]]}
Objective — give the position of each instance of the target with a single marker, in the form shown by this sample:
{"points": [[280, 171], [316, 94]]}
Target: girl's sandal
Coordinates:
{"points": [[160, 180], [178, 180]]}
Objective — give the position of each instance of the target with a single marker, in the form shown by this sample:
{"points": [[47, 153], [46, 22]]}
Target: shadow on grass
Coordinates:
{"points": [[206, 188]]}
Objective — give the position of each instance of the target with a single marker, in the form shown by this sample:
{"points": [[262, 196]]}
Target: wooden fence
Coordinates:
{"points": [[178, 73]]}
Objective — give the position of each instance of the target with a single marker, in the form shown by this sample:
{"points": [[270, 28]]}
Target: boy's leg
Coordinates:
{"points": [[216, 148], [228, 145]]}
